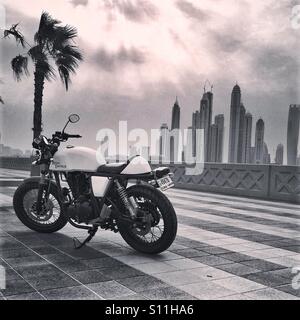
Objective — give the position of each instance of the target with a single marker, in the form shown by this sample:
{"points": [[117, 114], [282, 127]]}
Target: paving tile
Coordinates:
{"points": [[177, 278], [270, 294], [141, 283], [262, 265], [212, 260], [206, 290], [90, 276], [168, 293], [37, 271], [238, 284], [237, 269], [155, 267], [110, 289], [289, 289], [102, 263], [27, 296], [210, 273], [70, 293], [236, 256], [189, 252], [26, 261], [15, 287], [16, 253], [132, 297], [58, 280], [214, 250], [120, 272], [71, 266], [267, 279], [185, 264]]}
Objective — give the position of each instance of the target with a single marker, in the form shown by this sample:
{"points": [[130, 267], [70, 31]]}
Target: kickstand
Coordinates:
{"points": [[78, 244]]}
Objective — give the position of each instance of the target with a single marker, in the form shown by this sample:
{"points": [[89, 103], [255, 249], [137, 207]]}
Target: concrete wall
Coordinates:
{"points": [[259, 181]]}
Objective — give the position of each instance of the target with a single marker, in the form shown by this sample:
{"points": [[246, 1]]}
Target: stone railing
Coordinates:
{"points": [[15, 163], [259, 181]]}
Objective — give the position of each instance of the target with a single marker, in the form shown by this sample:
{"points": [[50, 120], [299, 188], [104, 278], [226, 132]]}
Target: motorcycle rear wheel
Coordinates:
{"points": [[159, 209]]}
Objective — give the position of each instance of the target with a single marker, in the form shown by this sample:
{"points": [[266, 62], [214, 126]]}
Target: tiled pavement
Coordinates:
{"points": [[226, 248]]}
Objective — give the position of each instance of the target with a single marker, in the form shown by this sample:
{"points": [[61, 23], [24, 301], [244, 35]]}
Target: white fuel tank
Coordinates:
{"points": [[76, 159]]}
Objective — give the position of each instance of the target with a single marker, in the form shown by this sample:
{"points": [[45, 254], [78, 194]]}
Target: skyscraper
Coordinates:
{"points": [[206, 105], [196, 125], [164, 143], [234, 124], [259, 141], [293, 134], [266, 155], [213, 142], [279, 154], [175, 116], [246, 157], [241, 137], [219, 121]]}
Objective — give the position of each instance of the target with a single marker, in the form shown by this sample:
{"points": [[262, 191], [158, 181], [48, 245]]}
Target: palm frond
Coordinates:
{"points": [[13, 31], [19, 66], [64, 74], [47, 29], [67, 60], [1, 100], [46, 69]]}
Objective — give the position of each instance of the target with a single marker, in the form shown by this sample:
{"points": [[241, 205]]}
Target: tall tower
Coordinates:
{"points": [[246, 157], [206, 105], [196, 125], [164, 143], [279, 154], [259, 141], [175, 116], [293, 134], [219, 121], [234, 124], [241, 142]]}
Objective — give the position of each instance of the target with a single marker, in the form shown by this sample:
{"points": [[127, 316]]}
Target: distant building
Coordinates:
{"points": [[164, 143], [175, 116], [246, 149], [206, 105], [196, 125], [241, 135], [259, 141], [279, 154], [219, 121], [234, 124], [266, 155], [293, 133]]}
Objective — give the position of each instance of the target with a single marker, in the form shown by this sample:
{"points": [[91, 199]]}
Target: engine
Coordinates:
{"points": [[81, 210]]}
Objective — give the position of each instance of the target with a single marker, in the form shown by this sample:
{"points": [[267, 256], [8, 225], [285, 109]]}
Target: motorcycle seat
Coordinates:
{"points": [[116, 167], [161, 172]]}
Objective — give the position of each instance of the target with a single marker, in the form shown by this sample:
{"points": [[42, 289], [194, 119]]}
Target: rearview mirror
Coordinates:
{"points": [[73, 118]]}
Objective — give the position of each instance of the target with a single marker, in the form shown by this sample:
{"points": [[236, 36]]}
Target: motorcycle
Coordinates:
{"points": [[78, 186]]}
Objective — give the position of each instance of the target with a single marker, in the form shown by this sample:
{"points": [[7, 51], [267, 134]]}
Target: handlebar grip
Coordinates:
{"points": [[75, 136]]}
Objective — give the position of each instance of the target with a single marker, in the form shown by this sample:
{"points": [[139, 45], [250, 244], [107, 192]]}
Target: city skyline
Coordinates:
{"points": [[241, 149]]}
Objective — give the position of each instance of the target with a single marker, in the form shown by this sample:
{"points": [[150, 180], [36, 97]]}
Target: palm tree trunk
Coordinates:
{"points": [[39, 81]]}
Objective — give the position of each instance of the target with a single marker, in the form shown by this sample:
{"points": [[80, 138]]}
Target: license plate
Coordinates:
{"points": [[165, 183]]}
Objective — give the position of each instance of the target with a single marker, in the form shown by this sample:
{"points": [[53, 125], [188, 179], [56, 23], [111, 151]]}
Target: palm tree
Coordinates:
{"points": [[52, 43]]}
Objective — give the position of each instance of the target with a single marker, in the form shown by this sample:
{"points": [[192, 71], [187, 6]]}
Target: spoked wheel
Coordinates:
{"points": [[155, 227], [49, 219]]}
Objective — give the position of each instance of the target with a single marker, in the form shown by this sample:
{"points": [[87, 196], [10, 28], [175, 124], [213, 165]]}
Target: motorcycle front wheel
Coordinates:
{"points": [[50, 219], [158, 222]]}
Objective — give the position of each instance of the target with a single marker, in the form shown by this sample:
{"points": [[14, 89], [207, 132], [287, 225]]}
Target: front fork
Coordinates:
{"points": [[44, 189]]}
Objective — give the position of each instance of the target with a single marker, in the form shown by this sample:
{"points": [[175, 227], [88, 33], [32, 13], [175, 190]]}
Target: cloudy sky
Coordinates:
{"points": [[140, 54]]}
